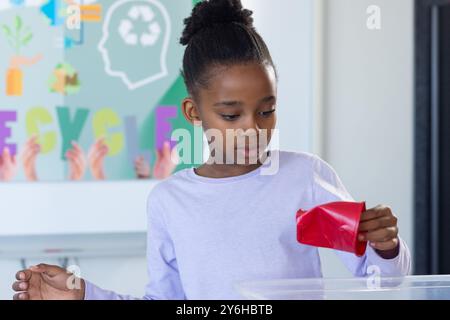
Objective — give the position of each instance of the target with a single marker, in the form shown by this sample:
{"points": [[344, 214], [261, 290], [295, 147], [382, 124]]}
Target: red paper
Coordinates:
{"points": [[333, 225]]}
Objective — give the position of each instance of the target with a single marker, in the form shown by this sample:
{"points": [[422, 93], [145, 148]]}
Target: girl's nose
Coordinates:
{"points": [[252, 124]]}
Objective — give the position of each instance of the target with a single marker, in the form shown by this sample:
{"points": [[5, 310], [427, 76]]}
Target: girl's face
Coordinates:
{"points": [[241, 96]]}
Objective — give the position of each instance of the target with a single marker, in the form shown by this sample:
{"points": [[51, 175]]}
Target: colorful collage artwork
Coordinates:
{"points": [[91, 89]]}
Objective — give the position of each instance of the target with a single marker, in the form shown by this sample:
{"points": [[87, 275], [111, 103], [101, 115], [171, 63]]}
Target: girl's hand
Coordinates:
{"points": [[378, 226], [8, 165], [77, 162], [142, 168], [166, 162], [47, 282], [97, 154], [29, 155]]}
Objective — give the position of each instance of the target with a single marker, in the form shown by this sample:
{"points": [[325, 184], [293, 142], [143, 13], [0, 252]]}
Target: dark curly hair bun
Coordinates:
{"points": [[219, 33], [209, 13]]}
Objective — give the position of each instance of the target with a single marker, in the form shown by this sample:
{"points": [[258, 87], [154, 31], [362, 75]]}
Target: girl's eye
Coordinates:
{"points": [[230, 117], [267, 114]]}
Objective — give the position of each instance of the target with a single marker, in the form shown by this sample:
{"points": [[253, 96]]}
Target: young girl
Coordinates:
{"points": [[221, 223]]}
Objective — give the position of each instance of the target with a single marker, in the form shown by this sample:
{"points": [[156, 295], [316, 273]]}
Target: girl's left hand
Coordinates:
{"points": [[379, 227]]}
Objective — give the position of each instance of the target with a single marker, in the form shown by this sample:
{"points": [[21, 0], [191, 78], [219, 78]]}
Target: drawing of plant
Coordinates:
{"points": [[18, 36]]}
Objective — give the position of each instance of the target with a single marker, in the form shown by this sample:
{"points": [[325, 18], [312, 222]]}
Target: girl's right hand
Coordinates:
{"points": [[47, 282]]}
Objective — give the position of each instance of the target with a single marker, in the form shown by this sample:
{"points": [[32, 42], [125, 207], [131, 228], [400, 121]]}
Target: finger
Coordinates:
{"points": [[158, 155], [139, 166], [24, 152], [7, 160], [100, 140], [103, 152], [142, 171], [166, 150], [80, 163], [100, 154], [95, 145], [97, 142], [380, 235], [78, 157], [32, 139], [374, 224], [175, 157], [105, 148], [69, 154], [47, 269], [71, 161], [385, 245], [141, 163], [94, 153], [100, 150], [23, 275], [78, 167], [76, 147], [374, 213], [35, 149], [27, 148], [21, 296], [29, 157], [20, 286], [31, 142], [74, 161]]}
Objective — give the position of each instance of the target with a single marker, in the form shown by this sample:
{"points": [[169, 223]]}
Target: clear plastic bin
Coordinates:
{"points": [[434, 287]]}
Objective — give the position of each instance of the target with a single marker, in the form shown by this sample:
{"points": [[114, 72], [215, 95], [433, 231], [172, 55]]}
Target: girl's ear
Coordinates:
{"points": [[190, 112]]}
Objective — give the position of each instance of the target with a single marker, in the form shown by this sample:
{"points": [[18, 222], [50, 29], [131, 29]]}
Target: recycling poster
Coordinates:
{"points": [[91, 90]]}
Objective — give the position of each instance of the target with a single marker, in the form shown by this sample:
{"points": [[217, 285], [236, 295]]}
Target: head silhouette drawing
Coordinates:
{"points": [[135, 41]]}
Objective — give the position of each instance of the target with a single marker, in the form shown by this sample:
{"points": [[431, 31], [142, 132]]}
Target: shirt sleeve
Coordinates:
{"points": [[328, 187], [164, 281]]}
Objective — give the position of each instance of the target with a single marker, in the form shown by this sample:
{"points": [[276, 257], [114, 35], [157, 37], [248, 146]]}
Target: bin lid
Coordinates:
{"points": [[428, 287]]}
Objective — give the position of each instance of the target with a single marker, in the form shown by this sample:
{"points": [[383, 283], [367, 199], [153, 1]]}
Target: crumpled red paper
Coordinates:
{"points": [[333, 225]]}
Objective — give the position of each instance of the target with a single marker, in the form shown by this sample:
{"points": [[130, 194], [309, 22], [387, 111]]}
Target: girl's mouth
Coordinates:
{"points": [[247, 152]]}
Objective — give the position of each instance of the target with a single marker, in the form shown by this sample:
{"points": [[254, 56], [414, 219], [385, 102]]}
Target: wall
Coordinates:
{"points": [[368, 106]]}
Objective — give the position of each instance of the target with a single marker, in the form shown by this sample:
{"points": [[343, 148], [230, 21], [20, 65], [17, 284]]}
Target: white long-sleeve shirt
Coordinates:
{"points": [[207, 234]]}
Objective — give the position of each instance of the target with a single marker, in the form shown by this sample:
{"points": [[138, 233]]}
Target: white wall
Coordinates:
{"points": [[289, 36], [368, 106]]}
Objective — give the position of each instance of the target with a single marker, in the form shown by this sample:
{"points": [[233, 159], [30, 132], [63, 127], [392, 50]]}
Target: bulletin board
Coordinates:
{"points": [[87, 87]]}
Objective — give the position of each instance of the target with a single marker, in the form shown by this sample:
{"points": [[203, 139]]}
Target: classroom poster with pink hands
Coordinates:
{"points": [[91, 89]]}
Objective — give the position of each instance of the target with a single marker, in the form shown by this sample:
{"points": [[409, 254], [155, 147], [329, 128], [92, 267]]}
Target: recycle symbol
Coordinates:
{"points": [[146, 14]]}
